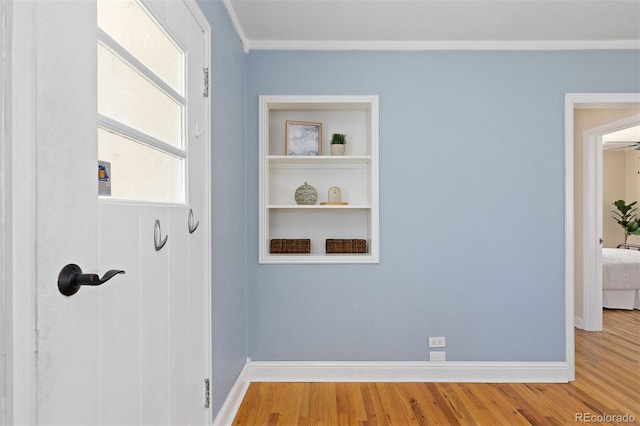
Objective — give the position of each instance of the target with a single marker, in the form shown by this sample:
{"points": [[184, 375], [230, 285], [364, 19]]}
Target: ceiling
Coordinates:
{"points": [[437, 24], [622, 140]]}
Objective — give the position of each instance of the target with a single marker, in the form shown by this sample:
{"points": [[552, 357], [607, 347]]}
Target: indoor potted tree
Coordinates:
{"points": [[626, 217], [338, 143]]}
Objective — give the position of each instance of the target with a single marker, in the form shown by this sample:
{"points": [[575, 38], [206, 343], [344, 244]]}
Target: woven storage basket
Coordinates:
{"points": [[346, 246], [290, 246]]}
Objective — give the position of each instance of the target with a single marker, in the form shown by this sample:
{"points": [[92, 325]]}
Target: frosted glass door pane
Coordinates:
{"points": [[139, 172], [128, 24], [126, 96]]}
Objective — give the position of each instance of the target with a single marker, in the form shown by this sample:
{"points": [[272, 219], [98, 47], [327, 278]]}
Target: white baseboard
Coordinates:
{"points": [[395, 371], [448, 371], [578, 322], [232, 403]]}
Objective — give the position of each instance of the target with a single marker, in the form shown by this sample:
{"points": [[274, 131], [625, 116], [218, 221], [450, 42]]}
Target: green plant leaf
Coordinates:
{"points": [[338, 139], [633, 227], [624, 207], [626, 217]]}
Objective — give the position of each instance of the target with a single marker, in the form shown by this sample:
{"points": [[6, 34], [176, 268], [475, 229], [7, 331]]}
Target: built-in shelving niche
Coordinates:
{"points": [[355, 173]]}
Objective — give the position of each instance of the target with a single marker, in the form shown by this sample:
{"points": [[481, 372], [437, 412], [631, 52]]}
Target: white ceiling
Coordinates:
{"points": [[623, 139], [436, 24]]}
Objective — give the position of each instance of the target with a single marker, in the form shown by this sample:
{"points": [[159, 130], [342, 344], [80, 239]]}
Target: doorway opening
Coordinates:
{"points": [[598, 229], [575, 238]]}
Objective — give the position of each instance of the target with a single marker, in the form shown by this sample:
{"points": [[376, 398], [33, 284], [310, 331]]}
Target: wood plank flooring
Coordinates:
{"points": [[607, 384]]}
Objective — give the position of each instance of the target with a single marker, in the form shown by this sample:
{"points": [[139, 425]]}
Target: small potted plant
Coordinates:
{"points": [[338, 142]]}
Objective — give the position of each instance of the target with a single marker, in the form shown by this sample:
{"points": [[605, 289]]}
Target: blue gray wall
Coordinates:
{"points": [[229, 332], [472, 206]]}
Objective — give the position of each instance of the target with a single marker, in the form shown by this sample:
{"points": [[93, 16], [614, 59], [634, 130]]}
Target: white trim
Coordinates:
{"points": [[123, 54], [195, 10], [569, 238], [579, 322], [596, 100], [21, 362], [232, 403], [434, 45], [237, 25], [5, 198], [249, 44], [137, 136], [573, 101], [410, 371]]}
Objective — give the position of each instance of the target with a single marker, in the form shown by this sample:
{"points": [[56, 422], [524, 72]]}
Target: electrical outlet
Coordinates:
{"points": [[437, 342], [437, 356]]}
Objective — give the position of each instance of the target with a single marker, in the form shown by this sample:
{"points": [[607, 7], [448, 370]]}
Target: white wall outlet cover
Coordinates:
{"points": [[437, 356], [437, 342]]}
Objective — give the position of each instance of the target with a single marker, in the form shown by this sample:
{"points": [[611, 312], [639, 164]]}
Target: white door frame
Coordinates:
{"points": [[5, 136], [21, 217], [18, 280], [592, 221], [572, 100]]}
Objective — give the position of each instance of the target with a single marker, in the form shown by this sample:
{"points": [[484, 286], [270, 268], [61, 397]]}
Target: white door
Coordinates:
{"points": [[136, 349], [592, 229]]}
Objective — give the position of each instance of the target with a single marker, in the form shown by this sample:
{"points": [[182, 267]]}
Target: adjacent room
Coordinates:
{"points": [[621, 181]]}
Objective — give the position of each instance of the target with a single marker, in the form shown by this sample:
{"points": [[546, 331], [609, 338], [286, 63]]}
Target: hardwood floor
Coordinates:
{"points": [[607, 388]]}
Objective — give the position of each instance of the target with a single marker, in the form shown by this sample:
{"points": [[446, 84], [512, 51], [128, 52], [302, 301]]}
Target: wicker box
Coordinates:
{"points": [[345, 246], [290, 246]]}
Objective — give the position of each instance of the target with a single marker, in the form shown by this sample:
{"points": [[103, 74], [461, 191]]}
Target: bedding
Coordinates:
{"points": [[620, 278]]}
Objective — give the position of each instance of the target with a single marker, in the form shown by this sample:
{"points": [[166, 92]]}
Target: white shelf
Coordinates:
{"points": [[318, 207], [320, 258], [305, 159], [355, 173]]}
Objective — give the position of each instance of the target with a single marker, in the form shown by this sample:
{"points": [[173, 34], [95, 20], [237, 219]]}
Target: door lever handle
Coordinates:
{"points": [[71, 278]]}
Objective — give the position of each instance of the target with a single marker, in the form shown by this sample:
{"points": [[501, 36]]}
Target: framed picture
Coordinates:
{"points": [[303, 138]]}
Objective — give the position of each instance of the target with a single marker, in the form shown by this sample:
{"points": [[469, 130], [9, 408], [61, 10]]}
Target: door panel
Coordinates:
{"points": [[198, 299], [119, 321], [67, 225], [154, 321], [178, 328], [146, 339]]}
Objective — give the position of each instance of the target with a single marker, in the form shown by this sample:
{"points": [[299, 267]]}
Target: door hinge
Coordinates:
{"points": [[207, 393], [206, 82]]}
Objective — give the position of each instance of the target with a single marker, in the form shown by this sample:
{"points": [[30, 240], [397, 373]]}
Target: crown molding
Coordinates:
{"points": [[417, 45], [442, 45], [236, 25]]}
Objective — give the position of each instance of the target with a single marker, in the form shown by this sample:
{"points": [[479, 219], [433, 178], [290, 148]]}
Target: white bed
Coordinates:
{"points": [[620, 278]]}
